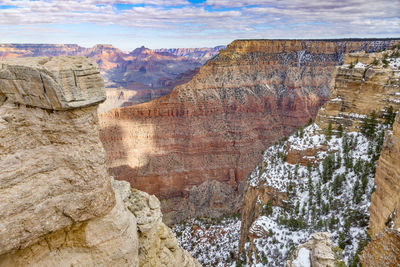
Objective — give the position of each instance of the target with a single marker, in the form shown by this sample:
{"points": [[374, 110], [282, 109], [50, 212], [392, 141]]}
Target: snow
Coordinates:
{"points": [[360, 65], [394, 63], [340, 205], [313, 205], [303, 258]]}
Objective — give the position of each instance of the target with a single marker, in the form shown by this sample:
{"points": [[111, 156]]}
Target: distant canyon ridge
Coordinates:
{"points": [[130, 77], [194, 147]]}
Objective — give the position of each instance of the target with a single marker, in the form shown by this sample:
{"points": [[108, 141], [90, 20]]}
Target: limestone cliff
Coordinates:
{"points": [[58, 205], [384, 223], [215, 127], [385, 202], [361, 85]]}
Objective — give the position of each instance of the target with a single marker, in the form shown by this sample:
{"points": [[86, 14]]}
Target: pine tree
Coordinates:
{"points": [[369, 125], [340, 131], [389, 116], [328, 132]]}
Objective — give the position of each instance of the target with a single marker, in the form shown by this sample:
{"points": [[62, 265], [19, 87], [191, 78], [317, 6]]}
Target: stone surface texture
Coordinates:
{"points": [[320, 247], [110, 240], [56, 83], [157, 244], [358, 91], [385, 201], [52, 162], [215, 126], [383, 250], [58, 205]]}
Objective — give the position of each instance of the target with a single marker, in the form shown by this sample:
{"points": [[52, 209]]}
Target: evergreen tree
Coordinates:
{"points": [[340, 131], [389, 116], [369, 125], [328, 132]]}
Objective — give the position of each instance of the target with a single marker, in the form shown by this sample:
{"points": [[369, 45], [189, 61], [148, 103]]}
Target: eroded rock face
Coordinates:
{"points": [[383, 250], [215, 126], [52, 172], [359, 90], [157, 244], [109, 240], [57, 83], [318, 251], [385, 201], [58, 205]]}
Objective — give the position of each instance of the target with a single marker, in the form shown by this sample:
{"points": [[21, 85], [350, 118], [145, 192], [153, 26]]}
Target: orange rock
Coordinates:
{"points": [[239, 103]]}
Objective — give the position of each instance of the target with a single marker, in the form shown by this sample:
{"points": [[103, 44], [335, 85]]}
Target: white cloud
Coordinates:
{"points": [[225, 19]]}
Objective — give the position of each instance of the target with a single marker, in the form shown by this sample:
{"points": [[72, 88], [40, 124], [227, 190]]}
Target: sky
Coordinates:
{"points": [[128, 24]]}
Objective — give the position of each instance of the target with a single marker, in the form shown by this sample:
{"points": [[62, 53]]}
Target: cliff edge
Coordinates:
{"points": [[58, 205]]}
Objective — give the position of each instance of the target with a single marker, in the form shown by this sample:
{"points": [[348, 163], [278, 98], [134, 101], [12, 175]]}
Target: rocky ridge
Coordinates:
{"points": [[58, 205], [147, 73], [199, 54], [319, 146], [214, 127]]}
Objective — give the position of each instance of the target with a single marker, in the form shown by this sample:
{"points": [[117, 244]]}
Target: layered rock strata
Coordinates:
{"points": [[53, 165], [360, 89], [58, 205], [385, 201], [215, 126], [384, 223]]}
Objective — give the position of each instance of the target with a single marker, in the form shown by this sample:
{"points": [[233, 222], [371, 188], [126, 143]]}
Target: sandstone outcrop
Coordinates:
{"points": [[383, 250], [52, 162], [384, 223], [359, 90], [385, 201], [58, 205], [215, 126], [317, 252]]}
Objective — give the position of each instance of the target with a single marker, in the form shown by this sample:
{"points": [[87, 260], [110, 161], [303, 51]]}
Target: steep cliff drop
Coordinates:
{"points": [[384, 223], [321, 178], [195, 146], [58, 205]]}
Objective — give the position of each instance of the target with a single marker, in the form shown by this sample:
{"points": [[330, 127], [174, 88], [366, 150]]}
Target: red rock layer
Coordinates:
{"points": [[215, 126]]}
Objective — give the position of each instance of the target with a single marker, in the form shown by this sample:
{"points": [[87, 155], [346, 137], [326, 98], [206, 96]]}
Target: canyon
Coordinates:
{"points": [[142, 74], [195, 147], [59, 206]]}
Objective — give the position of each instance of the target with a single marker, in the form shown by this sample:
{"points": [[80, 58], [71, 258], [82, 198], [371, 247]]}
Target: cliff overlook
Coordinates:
{"points": [[58, 205], [195, 146]]}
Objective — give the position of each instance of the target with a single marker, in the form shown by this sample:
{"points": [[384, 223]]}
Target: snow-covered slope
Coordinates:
{"points": [[332, 194]]}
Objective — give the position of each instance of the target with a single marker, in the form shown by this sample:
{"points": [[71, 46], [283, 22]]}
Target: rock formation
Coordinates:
{"points": [[215, 126], [58, 205], [383, 250], [359, 90], [147, 73], [385, 202], [316, 252], [384, 223], [198, 54]]}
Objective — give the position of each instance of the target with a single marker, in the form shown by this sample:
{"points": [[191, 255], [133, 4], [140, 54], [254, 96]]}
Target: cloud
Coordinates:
{"points": [[216, 18]]}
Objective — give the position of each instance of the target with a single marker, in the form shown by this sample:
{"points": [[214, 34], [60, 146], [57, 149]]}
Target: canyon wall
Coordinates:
{"points": [[199, 54], [384, 223], [58, 205], [195, 146]]}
